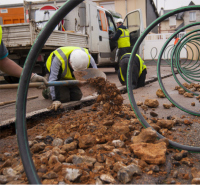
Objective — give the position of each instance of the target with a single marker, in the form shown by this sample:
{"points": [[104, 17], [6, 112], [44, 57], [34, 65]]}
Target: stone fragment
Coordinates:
{"points": [[82, 159], [38, 147], [118, 165], [153, 114], [9, 172], [118, 143], [50, 175], [108, 122], [72, 174], [53, 160], [100, 158], [150, 153], [189, 95], [57, 142], [57, 167], [166, 123], [68, 140], [181, 91], [123, 176], [98, 182], [61, 158], [144, 107], [70, 147], [153, 103], [166, 106], [160, 93], [3, 179], [87, 141], [155, 127], [121, 128], [187, 122], [107, 178], [7, 163], [139, 103], [146, 136]]}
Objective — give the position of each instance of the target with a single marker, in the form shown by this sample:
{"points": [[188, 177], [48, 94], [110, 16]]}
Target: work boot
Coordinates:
{"points": [[46, 93]]}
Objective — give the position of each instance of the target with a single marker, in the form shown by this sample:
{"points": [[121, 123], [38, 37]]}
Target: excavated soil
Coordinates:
{"points": [[61, 142]]}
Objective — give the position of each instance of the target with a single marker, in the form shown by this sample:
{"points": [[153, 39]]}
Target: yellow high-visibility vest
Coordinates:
{"points": [[0, 34], [142, 66], [62, 54], [124, 39]]}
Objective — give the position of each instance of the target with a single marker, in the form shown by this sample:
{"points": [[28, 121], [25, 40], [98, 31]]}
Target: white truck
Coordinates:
{"points": [[87, 25]]}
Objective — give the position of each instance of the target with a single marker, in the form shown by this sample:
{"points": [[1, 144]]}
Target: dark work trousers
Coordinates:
{"points": [[66, 93], [122, 51], [70, 93], [136, 80]]}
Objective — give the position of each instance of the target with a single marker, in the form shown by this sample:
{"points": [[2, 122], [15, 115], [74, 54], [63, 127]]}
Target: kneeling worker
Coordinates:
{"points": [[138, 74], [60, 64]]}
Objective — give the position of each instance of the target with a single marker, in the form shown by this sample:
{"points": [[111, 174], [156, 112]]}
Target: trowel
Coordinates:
{"points": [[83, 75]]}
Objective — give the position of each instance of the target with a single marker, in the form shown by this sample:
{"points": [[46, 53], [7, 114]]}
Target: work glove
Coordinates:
{"points": [[55, 105], [38, 78]]}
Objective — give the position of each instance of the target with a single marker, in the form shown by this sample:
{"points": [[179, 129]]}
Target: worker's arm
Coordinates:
{"points": [[53, 76], [10, 67], [92, 63], [117, 35]]}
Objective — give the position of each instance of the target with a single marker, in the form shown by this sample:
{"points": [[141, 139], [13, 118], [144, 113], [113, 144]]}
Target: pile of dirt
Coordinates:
{"points": [[101, 144]]}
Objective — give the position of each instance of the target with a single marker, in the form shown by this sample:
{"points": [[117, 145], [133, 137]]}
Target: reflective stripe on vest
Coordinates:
{"points": [[124, 39], [63, 55], [142, 66], [0, 34]]}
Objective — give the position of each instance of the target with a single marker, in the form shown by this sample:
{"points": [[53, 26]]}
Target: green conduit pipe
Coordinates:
{"points": [[20, 123], [129, 76]]}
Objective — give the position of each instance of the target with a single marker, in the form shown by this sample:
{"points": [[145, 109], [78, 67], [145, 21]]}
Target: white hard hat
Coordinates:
{"points": [[119, 20], [79, 60]]}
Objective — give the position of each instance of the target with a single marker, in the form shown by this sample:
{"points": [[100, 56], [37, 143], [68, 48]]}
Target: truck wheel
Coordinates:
{"points": [[11, 79]]}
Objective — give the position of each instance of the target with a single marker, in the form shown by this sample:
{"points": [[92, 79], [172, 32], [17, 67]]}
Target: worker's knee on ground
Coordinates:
{"points": [[75, 93]]}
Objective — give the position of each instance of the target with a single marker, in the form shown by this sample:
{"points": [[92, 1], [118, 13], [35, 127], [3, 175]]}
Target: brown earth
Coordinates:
{"points": [[99, 142]]}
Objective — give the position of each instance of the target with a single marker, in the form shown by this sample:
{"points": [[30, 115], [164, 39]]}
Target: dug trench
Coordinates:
{"points": [[103, 143]]}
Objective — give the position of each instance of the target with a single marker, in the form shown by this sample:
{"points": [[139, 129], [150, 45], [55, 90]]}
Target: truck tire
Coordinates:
{"points": [[11, 79]]}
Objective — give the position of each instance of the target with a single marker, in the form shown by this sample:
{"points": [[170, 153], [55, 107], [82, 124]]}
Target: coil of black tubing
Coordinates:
{"points": [[173, 72], [20, 123], [129, 76]]}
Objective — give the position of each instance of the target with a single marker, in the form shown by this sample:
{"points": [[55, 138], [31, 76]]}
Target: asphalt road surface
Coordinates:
{"points": [[7, 112]]}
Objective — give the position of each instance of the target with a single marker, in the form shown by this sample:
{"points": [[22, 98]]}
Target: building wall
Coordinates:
{"points": [[165, 28], [187, 19]]}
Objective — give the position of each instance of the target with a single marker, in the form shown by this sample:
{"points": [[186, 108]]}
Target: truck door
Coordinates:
{"points": [[133, 21], [104, 47], [107, 28]]}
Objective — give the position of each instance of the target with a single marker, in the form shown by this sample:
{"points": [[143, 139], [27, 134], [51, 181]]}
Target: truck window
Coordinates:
{"points": [[111, 24], [102, 20], [132, 21]]}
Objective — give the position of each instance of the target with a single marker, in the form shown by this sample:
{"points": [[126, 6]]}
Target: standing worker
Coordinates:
{"points": [[176, 39], [60, 64], [9, 67], [138, 74], [122, 37]]}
